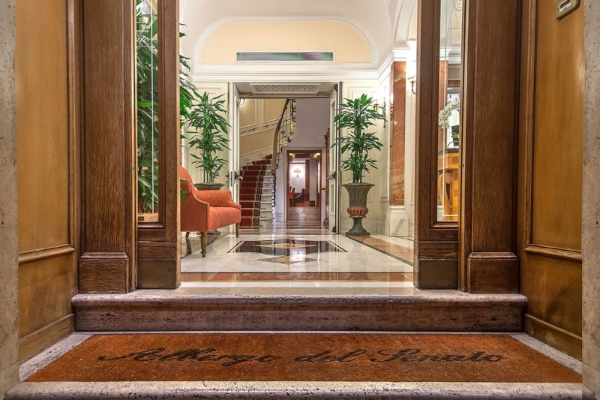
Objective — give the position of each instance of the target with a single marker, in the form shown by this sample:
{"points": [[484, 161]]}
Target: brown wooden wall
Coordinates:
{"points": [[550, 173], [47, 178]]}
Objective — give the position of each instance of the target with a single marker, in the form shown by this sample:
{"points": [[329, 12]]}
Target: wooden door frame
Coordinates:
{"points": [[158, 244], [436, 243], [108, 164], [483, 243], [118, 254]]}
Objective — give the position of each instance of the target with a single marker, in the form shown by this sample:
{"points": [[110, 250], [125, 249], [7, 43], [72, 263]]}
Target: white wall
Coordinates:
{"points": [[312, 121], [297, 180]]}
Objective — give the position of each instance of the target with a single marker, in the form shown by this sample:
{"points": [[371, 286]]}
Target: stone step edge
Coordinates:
{"points": [[294, 390], [143, 298], [366, 309]]}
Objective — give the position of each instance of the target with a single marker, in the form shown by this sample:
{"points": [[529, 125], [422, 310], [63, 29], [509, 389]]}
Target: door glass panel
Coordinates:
{"points": [[448, 172], [147, 109]]}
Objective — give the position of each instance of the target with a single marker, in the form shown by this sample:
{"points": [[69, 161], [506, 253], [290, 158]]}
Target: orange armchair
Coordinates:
{"points": [[205, 210]]}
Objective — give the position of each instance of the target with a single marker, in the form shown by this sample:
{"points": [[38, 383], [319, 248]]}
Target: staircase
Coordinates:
{"points": [[257, 194]]}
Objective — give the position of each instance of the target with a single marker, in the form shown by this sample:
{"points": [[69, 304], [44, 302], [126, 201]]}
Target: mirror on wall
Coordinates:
{"points": [[449, 124], [146, 25]]}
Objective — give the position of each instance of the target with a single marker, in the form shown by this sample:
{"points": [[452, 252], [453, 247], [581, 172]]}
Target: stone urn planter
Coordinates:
{"points": [[208, 186], [358, 206]]}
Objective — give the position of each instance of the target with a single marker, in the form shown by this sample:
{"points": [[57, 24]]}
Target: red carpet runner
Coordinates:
{"points": [[251, 191]]}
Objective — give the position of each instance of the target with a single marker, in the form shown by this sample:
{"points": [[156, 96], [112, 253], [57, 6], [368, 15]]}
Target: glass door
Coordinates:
{"points": [[234, 138]]}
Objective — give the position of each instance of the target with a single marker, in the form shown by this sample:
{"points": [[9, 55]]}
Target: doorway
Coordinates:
{"points": [[305, 189]]}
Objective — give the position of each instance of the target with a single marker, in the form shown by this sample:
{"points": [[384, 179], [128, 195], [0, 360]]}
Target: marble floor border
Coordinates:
{"points": [[298, 284], [295, 390], [403, 259], [572, 363]]}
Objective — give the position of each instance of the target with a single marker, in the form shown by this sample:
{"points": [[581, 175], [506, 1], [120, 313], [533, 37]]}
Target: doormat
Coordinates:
{"points": [[361, 357]]}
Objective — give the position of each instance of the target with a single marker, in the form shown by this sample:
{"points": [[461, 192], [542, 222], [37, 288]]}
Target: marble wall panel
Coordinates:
{"points": [[398, 134], [8, 201], [591, 201]]}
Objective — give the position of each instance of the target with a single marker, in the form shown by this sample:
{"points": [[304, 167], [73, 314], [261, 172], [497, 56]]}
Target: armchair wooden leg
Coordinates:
{"points": [[237, 230], [203, 241], [188, 245]]}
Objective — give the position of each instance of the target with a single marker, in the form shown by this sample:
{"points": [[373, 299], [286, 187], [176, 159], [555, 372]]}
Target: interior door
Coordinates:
{"points": [[234, 136], [334, 163]]}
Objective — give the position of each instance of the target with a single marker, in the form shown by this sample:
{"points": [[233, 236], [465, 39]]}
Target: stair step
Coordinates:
{"points": [[385, 309]]}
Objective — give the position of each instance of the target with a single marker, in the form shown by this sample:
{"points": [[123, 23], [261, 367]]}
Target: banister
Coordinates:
{"points": [[276, 138]]}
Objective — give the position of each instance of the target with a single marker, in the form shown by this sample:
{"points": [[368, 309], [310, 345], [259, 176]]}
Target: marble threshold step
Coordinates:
{"points": [[299, 309], [295, 390]]}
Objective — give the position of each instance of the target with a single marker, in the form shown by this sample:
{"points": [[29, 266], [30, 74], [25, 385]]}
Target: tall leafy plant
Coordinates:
{"points": [[147, 103], [208, 133], [358, 116]]}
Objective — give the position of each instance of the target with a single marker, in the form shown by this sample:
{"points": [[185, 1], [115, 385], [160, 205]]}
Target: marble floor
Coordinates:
{"points": [[307, 257]]}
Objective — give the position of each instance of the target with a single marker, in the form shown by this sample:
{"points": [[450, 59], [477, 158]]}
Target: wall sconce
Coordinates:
{"points": [[413, 81], [380, 110], [242, 102], [297, 172]]}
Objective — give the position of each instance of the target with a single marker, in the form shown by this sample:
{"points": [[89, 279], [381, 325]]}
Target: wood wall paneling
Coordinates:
{"points": [[42, 123], [550, 154], [489, 147], [108, 195], [435, 266], [48, 131], [557, 139]]}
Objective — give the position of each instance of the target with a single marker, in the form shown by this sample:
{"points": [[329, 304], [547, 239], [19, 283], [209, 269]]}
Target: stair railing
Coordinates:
{"points": [[276, 138]]}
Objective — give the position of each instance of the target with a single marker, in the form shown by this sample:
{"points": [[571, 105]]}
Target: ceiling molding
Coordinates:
{"points": [[371, 42], [268, 73], [403, 24]]}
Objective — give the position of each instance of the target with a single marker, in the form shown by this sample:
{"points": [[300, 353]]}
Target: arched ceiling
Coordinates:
{"points": [[385, 24]]}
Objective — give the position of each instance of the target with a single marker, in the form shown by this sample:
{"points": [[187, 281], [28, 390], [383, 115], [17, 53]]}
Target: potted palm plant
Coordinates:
{"points": [[209, 135], [358, 116]]}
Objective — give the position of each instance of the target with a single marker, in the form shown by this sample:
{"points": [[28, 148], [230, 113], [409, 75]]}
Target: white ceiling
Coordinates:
{"points": [[384, 23]]}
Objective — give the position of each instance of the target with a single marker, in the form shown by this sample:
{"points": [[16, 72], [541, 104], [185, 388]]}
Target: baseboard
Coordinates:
{"points": [[491, 272], [554, 336], [40, 340]]}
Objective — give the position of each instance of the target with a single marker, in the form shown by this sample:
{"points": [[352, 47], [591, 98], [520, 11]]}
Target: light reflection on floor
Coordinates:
{"points": [[298, 258]]}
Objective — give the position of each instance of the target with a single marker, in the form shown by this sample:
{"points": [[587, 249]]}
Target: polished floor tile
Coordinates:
{"points": [[295, 258]]}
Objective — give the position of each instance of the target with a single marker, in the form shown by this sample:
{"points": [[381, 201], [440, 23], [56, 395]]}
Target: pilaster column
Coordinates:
{"points": [[397, 218], [107, 263]]}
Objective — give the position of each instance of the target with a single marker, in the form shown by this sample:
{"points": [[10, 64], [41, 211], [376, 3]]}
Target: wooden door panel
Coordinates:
{"points": [[550, 174], [557, 139], [43, 124], [46, 71]]}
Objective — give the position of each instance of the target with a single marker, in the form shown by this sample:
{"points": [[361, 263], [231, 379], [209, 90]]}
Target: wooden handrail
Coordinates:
{"points": [[276, 138]]}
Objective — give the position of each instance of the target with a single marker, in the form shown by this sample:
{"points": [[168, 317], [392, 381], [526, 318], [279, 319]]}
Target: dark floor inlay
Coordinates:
{"points": [[286, 247], [370, 357]]}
